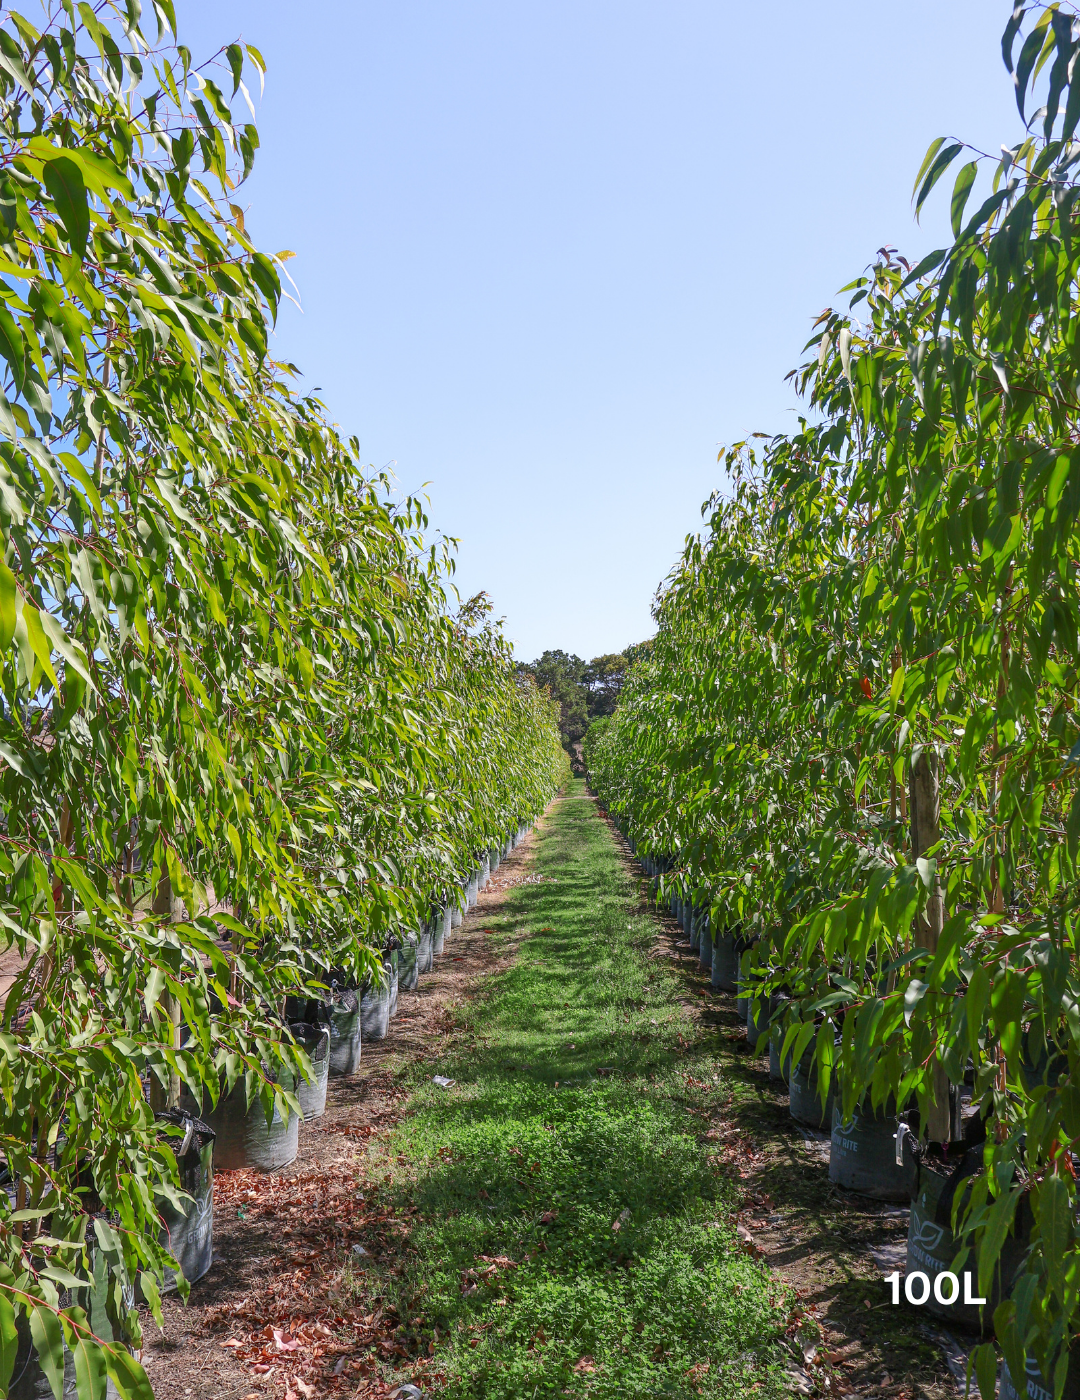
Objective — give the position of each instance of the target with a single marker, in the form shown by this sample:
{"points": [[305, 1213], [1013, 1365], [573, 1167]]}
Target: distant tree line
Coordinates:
{"points": [[584, 690]]}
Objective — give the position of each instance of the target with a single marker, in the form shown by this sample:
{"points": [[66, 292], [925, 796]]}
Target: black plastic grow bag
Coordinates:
{"points": [[424, 952], [742, 986], [759, 1009], [705, 946], [390, 962], [189, 1232], [341, 1012], [339, 1009], [311, 1093], [725, 963], [409, 964], [932, 1246], [375, 1010], [244, 1138], [1038, 1387], [862, 1156], [804, 1101]]}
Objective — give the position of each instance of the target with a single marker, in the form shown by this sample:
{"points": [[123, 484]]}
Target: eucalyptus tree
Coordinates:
{"points": [[218, 730], [908, 597]]}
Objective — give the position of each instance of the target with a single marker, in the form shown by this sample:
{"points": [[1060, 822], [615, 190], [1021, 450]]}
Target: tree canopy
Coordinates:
{"points": [[584, 691], [856, 738], [245, 732]]}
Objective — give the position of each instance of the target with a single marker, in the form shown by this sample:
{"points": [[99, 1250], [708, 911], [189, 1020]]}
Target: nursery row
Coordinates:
{"points": [[249, 739], [854, 748], [332, 1025], [230, 1131]]}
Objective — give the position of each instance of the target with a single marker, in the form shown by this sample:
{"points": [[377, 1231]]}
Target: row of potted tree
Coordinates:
{"points": [[854, 747], [247, 735]]}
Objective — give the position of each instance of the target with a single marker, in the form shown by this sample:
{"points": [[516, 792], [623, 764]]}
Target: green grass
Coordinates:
{"points": [[534, 1156]]}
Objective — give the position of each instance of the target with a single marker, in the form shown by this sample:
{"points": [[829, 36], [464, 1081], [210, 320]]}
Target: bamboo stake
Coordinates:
{"points": [[997, 784], [925, 833], [160, 1098]]}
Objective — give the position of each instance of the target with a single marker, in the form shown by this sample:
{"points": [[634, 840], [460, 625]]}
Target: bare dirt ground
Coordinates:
{"points": [[284, 1310], [832, 1246]]}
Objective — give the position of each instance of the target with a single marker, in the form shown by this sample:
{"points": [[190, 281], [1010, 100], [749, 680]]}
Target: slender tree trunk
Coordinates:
{"points": [[925, 833], [161, 1098], [32, 1228]]}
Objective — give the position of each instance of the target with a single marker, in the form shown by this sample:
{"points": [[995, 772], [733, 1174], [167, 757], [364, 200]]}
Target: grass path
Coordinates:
{"points": [[571, 1235]]}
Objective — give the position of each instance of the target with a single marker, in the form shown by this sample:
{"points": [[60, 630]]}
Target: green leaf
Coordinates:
{"points": [[64, 1277], [90, 1370], [98, 173], [961, 191], [994, 1236], [235, 55], [8, 594], [1009, 36], [85, 480], [155, 983], [127, 1375], [48, 1338], [940, 164], [260, 64], [152, 1294], [1007, 1002], [64, 182], [931, 152], [15, 760], [985, 1363], [824, 1051], [70, 650], [11, 62], [9, 1340], [267, 280], [38, 641], [74, 696], [913, 994], [928, 264], [1028, 54], [13, 347], [976, 997], [1055, 1228]]}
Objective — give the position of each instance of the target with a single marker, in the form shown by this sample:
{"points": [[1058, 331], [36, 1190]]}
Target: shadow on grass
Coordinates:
{"points": [[573, 1236]]}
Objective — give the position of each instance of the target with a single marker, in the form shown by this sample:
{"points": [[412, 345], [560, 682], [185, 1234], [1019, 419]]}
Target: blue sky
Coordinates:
{"points": [[551, 256]]}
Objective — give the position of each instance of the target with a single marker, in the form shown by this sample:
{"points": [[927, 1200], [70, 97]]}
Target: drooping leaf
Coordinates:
{"points": [[64, 182], [48, 1339]]}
